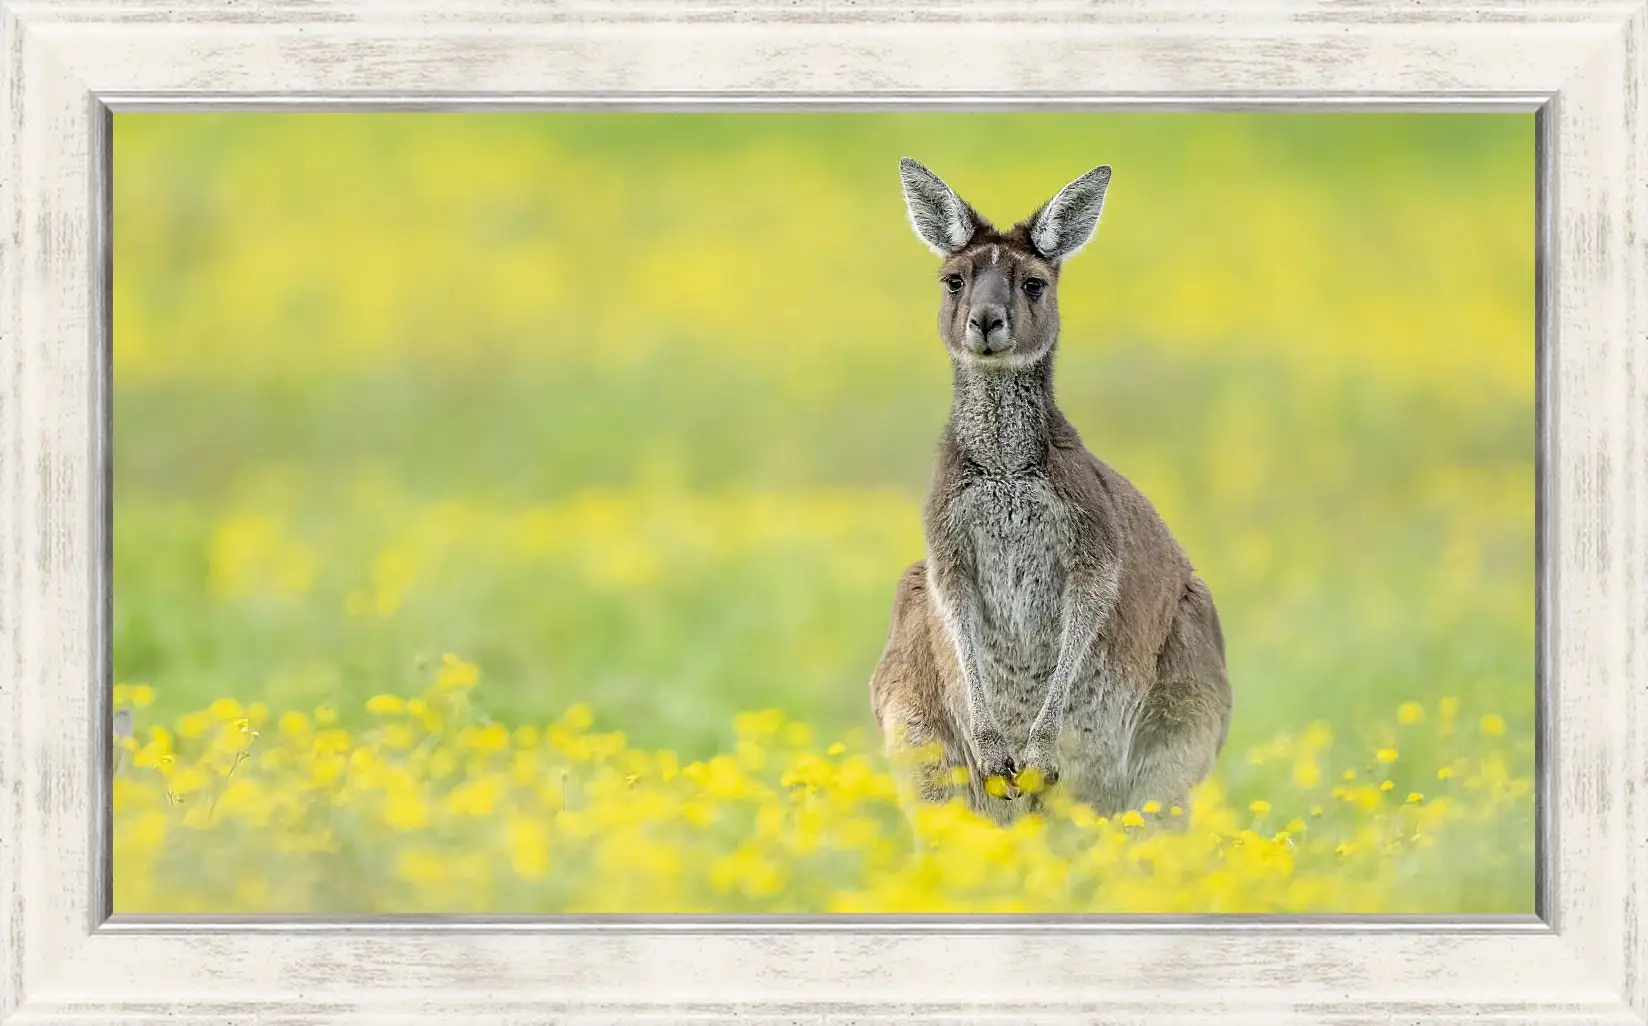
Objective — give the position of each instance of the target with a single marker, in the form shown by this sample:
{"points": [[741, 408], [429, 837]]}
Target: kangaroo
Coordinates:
{"points": [[1055, 634]]}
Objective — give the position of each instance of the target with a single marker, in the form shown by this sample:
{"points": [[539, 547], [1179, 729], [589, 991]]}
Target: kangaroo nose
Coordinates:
{"points": [[986, 319]]}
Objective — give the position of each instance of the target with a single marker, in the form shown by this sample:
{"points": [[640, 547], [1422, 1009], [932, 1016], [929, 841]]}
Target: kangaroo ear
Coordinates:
{"points": [[942, 219], [1066, 224]]}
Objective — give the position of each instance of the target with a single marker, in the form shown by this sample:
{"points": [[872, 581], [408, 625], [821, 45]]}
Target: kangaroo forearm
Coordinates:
{"points": [[961, 611], [963, 628], [1090, 597]]}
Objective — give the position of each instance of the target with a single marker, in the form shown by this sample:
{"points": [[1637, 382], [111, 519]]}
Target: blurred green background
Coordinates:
{"points": [[639, 410]]}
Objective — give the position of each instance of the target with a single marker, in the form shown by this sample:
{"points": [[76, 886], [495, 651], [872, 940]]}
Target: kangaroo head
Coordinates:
{"points": [[999, 290]]}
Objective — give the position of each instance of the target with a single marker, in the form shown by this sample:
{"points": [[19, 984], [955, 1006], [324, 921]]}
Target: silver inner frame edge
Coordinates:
{"points": [[735, 102]]}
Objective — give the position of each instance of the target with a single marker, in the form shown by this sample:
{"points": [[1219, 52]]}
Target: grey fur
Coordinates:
{"points": [[1055, 623], [940, 218], [1064, 225]]}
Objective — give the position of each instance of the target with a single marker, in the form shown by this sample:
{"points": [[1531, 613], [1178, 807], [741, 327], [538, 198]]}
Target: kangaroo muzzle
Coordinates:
{"points": [[987, 329]]}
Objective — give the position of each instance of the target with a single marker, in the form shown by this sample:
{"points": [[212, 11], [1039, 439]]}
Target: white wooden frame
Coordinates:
{"points": [[1581, 65]]}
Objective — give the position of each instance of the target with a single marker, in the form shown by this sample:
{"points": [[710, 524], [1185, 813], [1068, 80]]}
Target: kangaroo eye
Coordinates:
{"points": [[1033, 287], [953, 283]]}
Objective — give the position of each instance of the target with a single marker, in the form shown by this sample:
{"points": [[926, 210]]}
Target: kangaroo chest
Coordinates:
{"points": [[1017, 532], [1019, 536]]}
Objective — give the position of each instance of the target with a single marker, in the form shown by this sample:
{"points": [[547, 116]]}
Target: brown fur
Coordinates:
{"points": [[1055, 623]]}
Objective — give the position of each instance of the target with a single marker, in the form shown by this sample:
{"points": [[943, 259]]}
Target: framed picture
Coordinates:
{"points": [[603, 512]]}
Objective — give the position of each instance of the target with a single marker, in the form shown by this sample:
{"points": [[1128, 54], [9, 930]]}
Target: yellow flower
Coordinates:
{"points": [[385, 705], [1410, 713], [698, 813], [146, 832], [189, 780], [528, 841], [1306, 773], [477, 798], [578, 717], [442, 764], [332, 741], [420, 709], [669, 765], [194, 725], [1260, 808], [1317, 736], [758, 725], [751, 756], [836, 748], [1493, 725], [1386, 786], [1444, 773], [142, 695], [1448, 707], [1415, 797], [422, 866], [494, 737], [1132, 818], [456, 674], [224, 709], [798, 735], [1151, 807], [1385, 755]]}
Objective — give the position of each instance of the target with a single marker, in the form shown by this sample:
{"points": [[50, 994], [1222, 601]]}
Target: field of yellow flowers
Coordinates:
{"points": [[431, 807], [507, 507]]}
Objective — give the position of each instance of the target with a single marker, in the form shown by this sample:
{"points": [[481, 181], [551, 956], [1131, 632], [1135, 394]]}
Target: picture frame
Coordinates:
{"points": [[68, 65]]}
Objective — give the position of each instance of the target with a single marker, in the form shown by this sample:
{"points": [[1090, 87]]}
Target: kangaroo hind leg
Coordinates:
{"points": [[907, 696], [1186, 717]]}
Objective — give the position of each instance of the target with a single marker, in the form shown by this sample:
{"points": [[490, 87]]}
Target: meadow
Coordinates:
{"points": [[516, 500]]}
